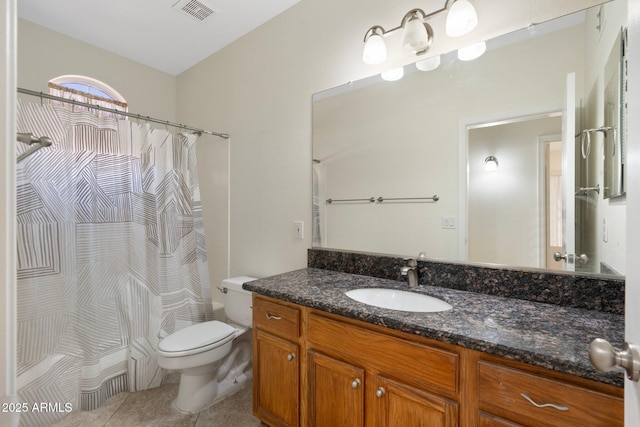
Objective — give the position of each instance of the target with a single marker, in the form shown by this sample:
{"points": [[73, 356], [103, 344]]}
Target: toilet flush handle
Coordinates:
{"points": [[223, 290]]}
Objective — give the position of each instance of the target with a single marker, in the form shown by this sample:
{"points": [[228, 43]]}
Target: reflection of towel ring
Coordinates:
{"points": [[586, 135], [615, 139]]}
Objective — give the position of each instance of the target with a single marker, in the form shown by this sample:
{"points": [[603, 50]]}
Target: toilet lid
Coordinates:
{"points": [[197, 336]]}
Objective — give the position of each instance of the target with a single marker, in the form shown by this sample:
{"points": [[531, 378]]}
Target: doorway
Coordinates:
{"points": [[507, 209]]}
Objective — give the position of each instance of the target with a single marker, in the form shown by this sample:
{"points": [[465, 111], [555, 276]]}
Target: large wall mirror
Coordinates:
{"points": [[402, 167]]}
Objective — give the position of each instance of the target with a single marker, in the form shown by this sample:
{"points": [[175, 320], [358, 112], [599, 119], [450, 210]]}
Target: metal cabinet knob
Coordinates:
{"points": [[606, 357], [272, 317], [380, 392], [291, 356], [355, 383]]}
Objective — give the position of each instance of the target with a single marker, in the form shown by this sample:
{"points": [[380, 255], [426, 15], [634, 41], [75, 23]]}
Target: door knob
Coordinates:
{"points": [[571, 258], [606, 357], [557, 256]]}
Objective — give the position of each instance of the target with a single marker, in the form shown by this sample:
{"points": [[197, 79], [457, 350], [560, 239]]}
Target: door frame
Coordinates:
{"points": [[543, 173], [8, 63]]}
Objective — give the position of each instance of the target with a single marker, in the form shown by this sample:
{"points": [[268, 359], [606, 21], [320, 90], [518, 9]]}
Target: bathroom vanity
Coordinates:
{"points": [[323, 359]]}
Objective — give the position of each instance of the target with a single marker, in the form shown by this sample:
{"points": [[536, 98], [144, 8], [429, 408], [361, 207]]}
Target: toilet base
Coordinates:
{"points": [[208, 391]]}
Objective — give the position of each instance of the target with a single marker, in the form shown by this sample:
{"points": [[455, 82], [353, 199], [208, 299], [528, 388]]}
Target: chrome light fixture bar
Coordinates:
{"points": [[417, 34]]}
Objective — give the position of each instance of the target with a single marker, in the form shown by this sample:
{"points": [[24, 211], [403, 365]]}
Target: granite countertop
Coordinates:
{"points": [[544, 335]]}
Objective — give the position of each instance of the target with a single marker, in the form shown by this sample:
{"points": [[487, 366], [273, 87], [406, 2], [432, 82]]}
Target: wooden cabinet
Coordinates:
{"points": [[312, 368], [336, 392], [530, 399], [400, 405], [276, 363], [337, 399], [401, 383]]}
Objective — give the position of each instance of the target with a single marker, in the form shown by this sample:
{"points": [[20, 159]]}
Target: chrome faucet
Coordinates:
{"points": [[411, 271]]}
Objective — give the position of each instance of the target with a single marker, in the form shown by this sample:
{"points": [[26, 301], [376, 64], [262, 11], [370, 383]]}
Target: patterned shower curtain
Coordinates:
{"points": [[111, 256]]}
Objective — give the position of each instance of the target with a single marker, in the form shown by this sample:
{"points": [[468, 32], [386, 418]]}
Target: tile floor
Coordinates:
{"points": [[153, 408]]}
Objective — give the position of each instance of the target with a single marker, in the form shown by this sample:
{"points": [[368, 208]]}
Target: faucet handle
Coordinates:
{"points": [[411, 262]]}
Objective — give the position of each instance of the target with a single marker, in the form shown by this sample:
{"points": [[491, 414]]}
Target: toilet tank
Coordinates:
{"points": [[237, 301]]}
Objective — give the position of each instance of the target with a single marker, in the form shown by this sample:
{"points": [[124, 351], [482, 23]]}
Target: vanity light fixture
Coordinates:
{"points": [[417, 34], [490, 164], [375, 50]]}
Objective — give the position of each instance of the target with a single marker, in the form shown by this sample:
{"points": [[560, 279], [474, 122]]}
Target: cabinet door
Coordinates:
{"points": [[336, 393], [400, 405], [276, 380]]}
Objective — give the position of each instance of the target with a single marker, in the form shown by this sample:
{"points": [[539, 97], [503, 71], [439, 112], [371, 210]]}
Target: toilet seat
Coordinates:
{"points": [[196, 339]]}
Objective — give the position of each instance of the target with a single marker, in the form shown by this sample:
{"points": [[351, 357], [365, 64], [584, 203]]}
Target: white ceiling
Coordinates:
{"points": [[151, 31]]}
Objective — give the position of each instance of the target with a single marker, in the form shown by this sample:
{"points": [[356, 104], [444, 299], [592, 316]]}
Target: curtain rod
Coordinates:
{"points": [[122, 113]]}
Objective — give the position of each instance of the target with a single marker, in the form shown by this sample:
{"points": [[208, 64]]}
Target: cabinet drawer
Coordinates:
{"points": [[416, 364], [278, 319], [488, 420], [502, 392]]}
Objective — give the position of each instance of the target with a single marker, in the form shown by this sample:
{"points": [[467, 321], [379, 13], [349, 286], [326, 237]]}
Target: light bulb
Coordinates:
{"points": [[375, 50], [472, 52], [429, 63], [414, 35], [393, 74], [490, 164], [461, 19]]}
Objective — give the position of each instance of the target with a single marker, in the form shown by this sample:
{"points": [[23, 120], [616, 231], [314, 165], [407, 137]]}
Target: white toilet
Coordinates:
{"points": [[214, 357]]}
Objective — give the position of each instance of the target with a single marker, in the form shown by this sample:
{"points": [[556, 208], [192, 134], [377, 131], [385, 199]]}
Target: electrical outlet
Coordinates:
{"points": [[298, 229]]}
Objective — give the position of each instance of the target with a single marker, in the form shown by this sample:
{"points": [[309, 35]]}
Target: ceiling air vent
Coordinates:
{"points": [[194, 9]]}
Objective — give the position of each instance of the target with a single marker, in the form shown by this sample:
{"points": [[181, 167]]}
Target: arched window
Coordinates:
{"points": [[87, 90]]}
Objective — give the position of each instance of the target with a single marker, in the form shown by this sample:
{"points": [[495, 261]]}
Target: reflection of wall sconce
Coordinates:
{"points": [[472, 52], [428, 64], [393, 74], [417, 35], [490, 163]]}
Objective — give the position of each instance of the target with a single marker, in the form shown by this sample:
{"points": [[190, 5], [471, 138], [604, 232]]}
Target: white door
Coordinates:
{"points": [[632, 287], [632, 291], [568, 173]]}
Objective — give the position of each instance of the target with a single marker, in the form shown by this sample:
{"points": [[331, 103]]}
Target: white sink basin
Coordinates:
{"points": [[398, 300]]}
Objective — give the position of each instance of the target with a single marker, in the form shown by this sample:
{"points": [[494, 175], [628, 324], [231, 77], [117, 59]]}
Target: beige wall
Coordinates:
{"points": [[259, 90], [44, 54]]}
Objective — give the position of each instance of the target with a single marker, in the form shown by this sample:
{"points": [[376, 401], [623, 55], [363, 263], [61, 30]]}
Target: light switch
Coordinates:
{"points": [[449, 222]]}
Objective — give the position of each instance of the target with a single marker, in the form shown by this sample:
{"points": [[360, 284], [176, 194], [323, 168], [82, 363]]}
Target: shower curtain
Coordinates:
{"points": [[111, 256]]}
